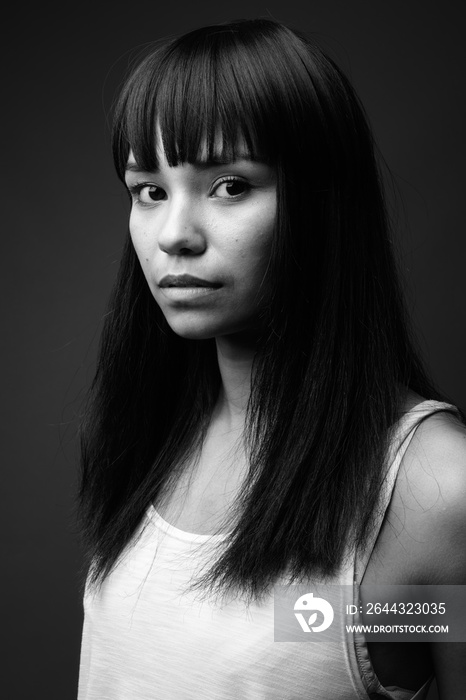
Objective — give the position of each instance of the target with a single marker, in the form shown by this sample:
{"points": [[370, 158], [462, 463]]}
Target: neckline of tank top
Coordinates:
{"points": [[193, 537], [155, 517]]}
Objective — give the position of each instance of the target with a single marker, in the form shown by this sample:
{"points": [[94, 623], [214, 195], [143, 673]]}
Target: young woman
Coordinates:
{"points": [[259, 414]]}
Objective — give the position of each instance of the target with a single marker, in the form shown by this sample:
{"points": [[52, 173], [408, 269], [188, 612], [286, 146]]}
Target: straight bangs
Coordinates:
{"points": [[215, 94]]}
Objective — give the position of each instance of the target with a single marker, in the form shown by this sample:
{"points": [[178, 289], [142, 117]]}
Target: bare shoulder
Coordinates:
{"points": [[428, 508], [423, 540], [423, 536], [432, 487]]}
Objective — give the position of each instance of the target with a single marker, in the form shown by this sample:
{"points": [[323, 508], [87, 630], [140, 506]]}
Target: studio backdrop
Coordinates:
{"points": [[65, 219]]}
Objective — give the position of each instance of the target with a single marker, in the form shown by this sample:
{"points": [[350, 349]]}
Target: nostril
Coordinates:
{"points": [[186, 251]]}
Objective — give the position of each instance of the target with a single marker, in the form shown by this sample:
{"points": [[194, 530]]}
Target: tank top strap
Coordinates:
{"points": [[401, 438]]}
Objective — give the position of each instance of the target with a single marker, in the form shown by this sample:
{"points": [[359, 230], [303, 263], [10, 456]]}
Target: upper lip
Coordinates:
{"points": [[186, 281]]}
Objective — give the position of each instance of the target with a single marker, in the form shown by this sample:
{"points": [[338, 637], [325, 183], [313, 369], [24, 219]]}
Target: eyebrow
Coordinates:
{"points": [[201, 164]]}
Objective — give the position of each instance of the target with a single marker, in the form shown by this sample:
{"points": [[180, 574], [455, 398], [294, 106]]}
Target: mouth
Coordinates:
{"points": [[186, 282], [186, 290]]}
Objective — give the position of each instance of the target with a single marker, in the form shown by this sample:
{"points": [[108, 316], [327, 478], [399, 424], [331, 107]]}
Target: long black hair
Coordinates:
{"points": [[334, 359]]}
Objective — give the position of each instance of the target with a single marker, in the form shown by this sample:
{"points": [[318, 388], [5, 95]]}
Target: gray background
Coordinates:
{"points": [[65, 222]]}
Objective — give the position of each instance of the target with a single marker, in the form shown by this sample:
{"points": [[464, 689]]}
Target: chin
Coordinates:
{"points": [[193, 333], [202, 329], [193, 330]]}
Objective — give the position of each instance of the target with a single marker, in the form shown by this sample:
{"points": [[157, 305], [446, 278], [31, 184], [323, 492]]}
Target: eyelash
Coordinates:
{"points": [[136, 189], [229, 179]]}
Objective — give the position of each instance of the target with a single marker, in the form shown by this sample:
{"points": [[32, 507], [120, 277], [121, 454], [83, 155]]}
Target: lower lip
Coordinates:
{"points": [[187, 293]]}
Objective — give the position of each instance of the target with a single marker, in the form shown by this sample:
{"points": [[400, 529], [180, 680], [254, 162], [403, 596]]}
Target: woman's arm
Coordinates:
{"points": [[423, 541], [435, 523]]}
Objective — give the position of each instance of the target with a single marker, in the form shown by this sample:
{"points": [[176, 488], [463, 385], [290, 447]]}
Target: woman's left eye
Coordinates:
{"points": [[231, 188]]}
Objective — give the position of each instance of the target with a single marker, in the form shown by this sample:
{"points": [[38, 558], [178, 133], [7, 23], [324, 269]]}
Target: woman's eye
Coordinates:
{"points": [[231, 188], [148, 194]]}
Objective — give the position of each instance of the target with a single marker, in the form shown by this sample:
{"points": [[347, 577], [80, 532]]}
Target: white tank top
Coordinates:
{"points": [[146, 638]]}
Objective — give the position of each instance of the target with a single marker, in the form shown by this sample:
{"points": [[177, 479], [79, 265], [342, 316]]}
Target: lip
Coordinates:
{"points": [[187, 282]]}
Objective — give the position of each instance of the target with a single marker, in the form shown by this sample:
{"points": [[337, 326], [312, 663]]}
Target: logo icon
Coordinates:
{"points": [[308, 603]]}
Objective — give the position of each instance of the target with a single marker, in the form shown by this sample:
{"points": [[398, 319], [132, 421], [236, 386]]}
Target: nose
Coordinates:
{"points": [[182, 232]]}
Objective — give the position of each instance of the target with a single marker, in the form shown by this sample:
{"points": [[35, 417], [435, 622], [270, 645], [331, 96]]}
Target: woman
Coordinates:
{"points": [[257, 393]]}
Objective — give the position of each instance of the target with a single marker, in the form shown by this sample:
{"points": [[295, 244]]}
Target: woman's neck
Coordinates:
{"points": [[235, 358]]}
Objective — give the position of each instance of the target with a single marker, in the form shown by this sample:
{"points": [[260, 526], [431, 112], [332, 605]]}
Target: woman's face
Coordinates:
{"points": [[202, 234]]}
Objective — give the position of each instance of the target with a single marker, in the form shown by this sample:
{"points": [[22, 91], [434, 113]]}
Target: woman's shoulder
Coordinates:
{"points": [[423, 539], [429, 500], [438, 445], [431, 497]]}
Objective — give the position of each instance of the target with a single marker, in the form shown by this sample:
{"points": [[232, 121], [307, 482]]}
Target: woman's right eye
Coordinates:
{"points": [[146, 195]]}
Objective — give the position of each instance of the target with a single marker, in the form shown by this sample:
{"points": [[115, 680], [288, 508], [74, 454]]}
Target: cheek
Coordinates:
{"points": [[259, 241], [141, 243], [252, 257], [144, 256]]}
